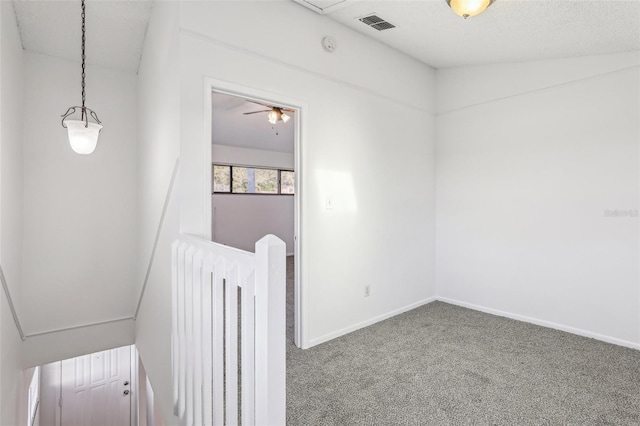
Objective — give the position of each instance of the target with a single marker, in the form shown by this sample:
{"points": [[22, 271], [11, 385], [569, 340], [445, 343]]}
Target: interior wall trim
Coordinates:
{"points": [[249, 52], [167, 198], [543, 323], [538, 89], [7, 293], [74, 327]]}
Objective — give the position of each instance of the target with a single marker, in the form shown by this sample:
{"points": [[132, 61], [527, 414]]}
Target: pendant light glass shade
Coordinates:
{"points": [[276, 114], [83, 136], [467, 8], [273, 117]]}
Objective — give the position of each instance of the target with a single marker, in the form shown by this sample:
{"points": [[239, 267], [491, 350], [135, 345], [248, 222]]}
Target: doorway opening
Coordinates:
{"points": [[255, 179]]}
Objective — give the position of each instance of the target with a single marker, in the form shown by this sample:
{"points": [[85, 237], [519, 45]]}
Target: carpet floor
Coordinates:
{"points": [[445, 365]]}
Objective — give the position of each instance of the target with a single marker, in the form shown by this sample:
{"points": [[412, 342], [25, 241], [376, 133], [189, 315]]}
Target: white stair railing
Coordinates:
{"points": [[206, 280]]}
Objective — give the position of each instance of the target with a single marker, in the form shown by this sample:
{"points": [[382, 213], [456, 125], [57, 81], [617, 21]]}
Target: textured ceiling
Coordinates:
{"points": [[232, 127], [508, 31], [115, 30]]}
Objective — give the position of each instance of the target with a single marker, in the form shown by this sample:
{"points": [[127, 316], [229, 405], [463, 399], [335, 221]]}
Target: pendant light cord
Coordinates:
{"points": [[84, 111], [83, 60]]}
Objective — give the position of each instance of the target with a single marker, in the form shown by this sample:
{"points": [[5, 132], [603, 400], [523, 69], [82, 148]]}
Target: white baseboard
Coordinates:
{"points": [[358, 326], [517, 317], [542, 323]]}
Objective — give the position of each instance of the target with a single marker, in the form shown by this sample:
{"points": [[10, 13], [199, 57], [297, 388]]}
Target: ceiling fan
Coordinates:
{"points": [[275, 113]]}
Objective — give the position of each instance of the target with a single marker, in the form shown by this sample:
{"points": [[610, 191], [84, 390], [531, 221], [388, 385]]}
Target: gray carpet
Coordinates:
{"points": [[445, 365]]}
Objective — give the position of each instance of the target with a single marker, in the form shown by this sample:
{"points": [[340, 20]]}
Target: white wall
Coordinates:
{"points": [[529, 159], [50, 394], [252, 157], [148, 413], [11, 154], [354, 153], [10, 368], [79, 211], [351, 151], [158, 149], [241, 220], [11, 90], [49, 347]]}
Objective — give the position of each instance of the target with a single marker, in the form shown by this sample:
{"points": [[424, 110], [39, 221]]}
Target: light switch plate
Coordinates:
{"points": [[329, 202]]}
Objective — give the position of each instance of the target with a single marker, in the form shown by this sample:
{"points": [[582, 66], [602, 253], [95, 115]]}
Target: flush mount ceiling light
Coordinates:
{"points": [[467, 8], [275, 113], [83, 134]]}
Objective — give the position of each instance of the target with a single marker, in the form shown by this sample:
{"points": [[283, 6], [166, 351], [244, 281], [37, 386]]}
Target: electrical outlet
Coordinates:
{"points": [[367, 291]]}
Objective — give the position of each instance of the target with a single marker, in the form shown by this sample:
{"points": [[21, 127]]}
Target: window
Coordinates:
{"points": [[252, 180], [221, 179], [287, 182], [249, 180]]}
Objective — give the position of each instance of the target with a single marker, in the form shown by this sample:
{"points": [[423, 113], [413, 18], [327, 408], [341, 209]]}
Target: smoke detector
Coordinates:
{"points": [[328, 44]]}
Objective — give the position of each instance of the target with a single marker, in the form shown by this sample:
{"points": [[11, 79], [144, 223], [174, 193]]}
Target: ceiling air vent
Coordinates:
{"points": [[376, 22]]}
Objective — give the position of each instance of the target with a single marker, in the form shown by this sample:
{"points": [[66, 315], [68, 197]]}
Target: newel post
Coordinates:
{"points": [[270, 366]]}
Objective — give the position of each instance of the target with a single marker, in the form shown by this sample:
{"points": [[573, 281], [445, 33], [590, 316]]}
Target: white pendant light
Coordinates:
{"points": [[285, 117], [83, 134], [468, 8]]}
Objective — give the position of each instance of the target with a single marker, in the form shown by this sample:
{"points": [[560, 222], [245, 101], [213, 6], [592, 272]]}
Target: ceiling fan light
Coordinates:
{"points": [[273, 117], [83, 137], [285, 117], [468, 8]]}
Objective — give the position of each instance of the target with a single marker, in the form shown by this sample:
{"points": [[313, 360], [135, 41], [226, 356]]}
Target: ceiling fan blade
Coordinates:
{"points": [[260, 103], [271, 107], [256, 112]]}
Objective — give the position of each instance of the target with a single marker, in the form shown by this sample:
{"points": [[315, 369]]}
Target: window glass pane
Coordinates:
{"points": [[221, 179], [240, 180], [249, 180], [266, 181], [287, 182]]}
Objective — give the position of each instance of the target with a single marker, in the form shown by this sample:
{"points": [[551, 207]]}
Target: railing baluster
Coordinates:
{"points": [[231, 345], [248, 350], [207, 340], [218, 343], [174, 323], [188, 295], [206, 349], [197, 338], [182, 332]]}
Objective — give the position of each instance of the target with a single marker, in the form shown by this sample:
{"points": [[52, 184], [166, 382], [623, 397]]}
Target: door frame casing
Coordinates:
{"points": [[212, 85]]}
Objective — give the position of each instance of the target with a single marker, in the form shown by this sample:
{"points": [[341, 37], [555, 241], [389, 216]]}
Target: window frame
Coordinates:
{"points": [[230, 192]]}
